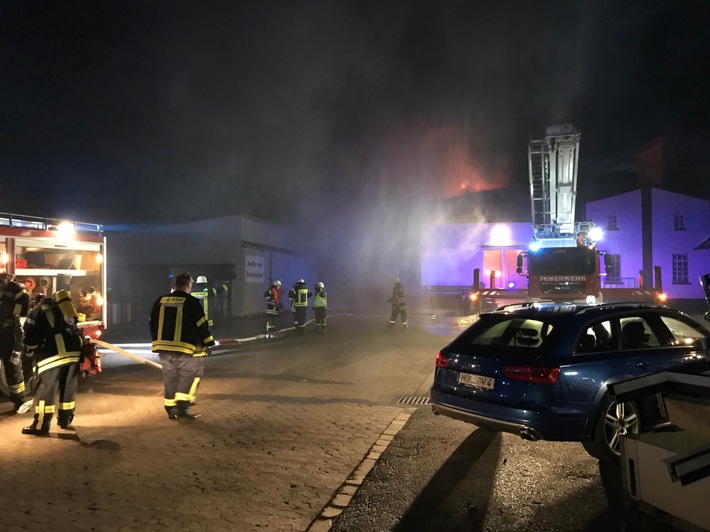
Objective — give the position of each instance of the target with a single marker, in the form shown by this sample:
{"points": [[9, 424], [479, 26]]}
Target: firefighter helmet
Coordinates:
{"points": [[300, 281], [201, 279], [320, 285], [276, 283], [63, 299]]}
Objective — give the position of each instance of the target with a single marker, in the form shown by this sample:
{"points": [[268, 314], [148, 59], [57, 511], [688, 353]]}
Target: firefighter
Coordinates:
{"points": [[399, 304], [320, 306], [54, 340], [272, 297], [14, 304], [181, 337], [299, 295], [201, 290]]}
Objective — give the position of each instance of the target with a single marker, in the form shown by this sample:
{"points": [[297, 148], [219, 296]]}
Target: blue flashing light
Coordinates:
{"points": [[534, 246], [511, 284]]}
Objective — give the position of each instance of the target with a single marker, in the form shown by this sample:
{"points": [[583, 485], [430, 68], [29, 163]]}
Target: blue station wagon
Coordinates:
{"points": [[542, 370]]}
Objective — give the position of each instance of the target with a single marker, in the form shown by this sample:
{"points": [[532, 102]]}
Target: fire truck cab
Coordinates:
{"points": [[48, 255]]}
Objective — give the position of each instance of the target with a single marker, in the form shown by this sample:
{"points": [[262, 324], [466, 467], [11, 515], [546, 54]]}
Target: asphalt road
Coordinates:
{"points": [[301, 433]]}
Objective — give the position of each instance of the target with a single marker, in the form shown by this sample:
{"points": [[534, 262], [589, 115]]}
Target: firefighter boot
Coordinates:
{"points": [[181, 411], [34, 430], [64, 419], [172, 412]]}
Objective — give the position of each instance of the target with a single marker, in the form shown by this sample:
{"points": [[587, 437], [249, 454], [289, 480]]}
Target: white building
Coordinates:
{"points": [[240, 256]]}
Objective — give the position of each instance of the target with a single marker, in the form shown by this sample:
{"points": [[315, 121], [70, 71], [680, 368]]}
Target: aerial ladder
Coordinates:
{"points": [[553, 163], [562, 261]]}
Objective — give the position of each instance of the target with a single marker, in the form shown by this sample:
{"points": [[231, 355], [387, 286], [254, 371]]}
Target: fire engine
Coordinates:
{"points": [[563, 262], [47, 255]]}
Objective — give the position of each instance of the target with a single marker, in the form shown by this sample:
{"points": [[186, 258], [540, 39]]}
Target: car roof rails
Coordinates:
{"points": [[539, 306], [621, 305]]}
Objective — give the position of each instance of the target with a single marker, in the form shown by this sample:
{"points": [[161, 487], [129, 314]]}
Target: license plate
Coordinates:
{"points": [[477, 381]]}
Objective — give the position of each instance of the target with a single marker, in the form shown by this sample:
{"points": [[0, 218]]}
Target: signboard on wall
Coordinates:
{"points": [[254, 268]]}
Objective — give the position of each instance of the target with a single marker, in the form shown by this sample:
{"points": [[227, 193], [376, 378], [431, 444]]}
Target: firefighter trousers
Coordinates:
{"points": [[299, 319], [12, 362], [398, 311], [271, 320], [320, 313], [64, 380], [181, 377]]}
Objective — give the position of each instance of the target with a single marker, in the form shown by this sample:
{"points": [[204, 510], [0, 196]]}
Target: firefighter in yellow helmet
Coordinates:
{"points": [[54, 340]]}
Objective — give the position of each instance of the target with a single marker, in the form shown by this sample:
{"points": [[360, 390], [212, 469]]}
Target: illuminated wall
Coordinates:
{"points": [[450, 252]]}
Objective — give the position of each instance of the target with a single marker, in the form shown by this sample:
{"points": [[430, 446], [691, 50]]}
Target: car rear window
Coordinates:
{"points": [[683, 333], [511, 332]]}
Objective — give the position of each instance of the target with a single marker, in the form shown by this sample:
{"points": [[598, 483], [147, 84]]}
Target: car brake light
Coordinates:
{"points": [[530, 374], [442, 361]]}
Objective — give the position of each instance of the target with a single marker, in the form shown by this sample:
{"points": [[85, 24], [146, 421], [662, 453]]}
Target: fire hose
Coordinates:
{"points": [[128, 354]]}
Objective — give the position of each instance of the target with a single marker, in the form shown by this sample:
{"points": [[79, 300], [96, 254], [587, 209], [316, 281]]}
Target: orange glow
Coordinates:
{"points": [[460, 169]]}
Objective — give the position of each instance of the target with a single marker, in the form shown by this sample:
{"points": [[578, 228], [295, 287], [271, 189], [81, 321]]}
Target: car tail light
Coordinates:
{"points": [[530, 374], [442, 361]]}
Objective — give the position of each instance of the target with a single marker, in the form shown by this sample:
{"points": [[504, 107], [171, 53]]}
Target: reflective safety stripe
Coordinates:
{"points": [[301, 297], [179, 396], [193, 389], [58, 360], [41, 410], [17, 310], [17, 388], [178, 347], [170, 402], [67, 406], [171, 302]]}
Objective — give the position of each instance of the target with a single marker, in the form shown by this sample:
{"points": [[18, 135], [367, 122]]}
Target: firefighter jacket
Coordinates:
{"points": [[14, 301], [178, 324], [299, 295], [399, 302], [273, 300], [320, 300], [201, 291], [53, 341]]}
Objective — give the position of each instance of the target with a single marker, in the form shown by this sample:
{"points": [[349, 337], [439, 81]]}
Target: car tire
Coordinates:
{"points": [[613, 421]]}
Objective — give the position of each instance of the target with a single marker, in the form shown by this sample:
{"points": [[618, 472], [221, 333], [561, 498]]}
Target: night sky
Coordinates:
{"points": [[135, 112]]}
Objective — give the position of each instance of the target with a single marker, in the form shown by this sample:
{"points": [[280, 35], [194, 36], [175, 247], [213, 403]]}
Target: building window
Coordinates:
{"points": [[680, 269], [612, 224], [678, 222], [614, 274]]}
